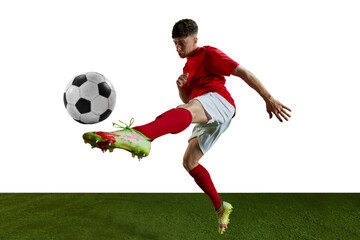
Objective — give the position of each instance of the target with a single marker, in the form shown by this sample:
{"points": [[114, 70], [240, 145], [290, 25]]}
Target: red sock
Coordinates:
{"points": [[203, 179], [173, 121]]}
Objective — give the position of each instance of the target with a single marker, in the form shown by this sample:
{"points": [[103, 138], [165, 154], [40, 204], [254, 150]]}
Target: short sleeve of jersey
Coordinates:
{"points": [[219, 63]]}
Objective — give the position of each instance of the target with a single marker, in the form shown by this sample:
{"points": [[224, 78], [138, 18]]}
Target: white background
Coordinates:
{"points": [[306, 53]]}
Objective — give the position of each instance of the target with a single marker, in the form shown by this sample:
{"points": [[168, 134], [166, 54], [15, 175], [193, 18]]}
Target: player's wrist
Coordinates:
{"points": [[267, 97]]}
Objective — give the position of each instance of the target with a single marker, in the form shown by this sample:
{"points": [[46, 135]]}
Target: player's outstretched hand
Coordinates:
{"points": [[181, 81], [276, 107]]}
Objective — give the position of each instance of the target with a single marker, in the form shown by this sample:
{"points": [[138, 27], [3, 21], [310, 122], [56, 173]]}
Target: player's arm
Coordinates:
{"points": [[180, 82], [272, 105]]}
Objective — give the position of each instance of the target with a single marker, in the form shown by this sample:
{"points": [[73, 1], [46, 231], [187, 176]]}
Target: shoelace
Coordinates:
{"points": [[128, 127]]}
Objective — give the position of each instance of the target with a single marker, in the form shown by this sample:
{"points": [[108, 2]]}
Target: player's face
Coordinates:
{"points": [[185, 46]]}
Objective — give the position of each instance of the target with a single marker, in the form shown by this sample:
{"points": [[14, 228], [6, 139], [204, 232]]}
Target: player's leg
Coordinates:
{"points": [[203, 137], [175, 120], [202, 177], [137, 140], [199, 173]]}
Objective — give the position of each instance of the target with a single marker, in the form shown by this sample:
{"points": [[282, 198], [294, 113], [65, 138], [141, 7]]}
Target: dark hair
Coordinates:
{"points": [[184, 28]]}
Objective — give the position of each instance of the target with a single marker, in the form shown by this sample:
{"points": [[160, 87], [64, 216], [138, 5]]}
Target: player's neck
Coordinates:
{"points": [[193, 51]]}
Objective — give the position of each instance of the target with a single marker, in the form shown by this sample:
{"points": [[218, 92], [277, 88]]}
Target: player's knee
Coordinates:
{"points": [[181, 106], [186, 162], [189, 164], [185, 165], [198, 113], [186, 106]]}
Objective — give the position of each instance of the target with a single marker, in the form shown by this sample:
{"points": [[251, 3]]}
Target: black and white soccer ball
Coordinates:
{"points": [[89, 98]]}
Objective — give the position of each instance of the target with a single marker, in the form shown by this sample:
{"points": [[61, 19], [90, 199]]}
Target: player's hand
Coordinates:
{"points": [[181, 81], [280, 110]]}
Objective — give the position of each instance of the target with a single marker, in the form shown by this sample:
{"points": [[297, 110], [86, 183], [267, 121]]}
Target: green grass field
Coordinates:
{"points": [[178, 216]]}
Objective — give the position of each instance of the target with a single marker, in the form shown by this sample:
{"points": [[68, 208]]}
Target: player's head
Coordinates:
{"points": [[184, 34], [184, 28]]}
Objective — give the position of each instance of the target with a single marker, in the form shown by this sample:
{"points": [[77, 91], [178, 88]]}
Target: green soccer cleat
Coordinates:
{"points": [[126, 138], [223, 216]]}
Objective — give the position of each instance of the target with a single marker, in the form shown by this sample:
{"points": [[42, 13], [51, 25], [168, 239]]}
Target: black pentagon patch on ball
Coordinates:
{"points": [[83, 105], [104, 89], [105, 115], [79, 80], [65, 101]]}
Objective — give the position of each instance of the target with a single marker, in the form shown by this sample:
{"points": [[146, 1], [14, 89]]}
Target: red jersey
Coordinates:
{"points": [[207, 68]]}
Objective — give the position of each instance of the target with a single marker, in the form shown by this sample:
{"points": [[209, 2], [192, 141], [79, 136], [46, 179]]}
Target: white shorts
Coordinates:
{"points": [[221, 112]]}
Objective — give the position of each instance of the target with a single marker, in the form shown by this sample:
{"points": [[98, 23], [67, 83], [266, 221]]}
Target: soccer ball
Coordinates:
{"points": [[89, 98]]}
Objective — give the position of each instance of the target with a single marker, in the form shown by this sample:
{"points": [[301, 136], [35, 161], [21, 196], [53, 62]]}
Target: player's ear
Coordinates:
{"points": [[195, 39]]}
